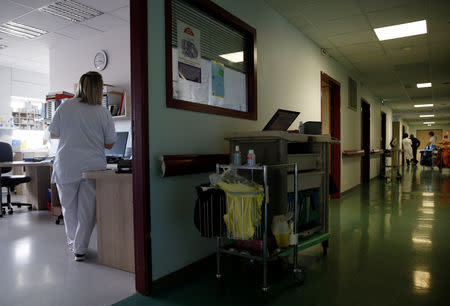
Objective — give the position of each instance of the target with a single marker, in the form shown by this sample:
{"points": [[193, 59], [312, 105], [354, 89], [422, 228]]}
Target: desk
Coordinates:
{"points": [[36, 190], [115, 232]]}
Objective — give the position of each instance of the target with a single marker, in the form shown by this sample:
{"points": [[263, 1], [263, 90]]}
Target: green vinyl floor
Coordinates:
{"points": [[389, 245]]}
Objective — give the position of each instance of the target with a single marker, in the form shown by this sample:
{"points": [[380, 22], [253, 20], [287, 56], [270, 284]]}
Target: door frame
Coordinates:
{"points": [[383, 136], [365, 159], [335, 128], [140, 138]]}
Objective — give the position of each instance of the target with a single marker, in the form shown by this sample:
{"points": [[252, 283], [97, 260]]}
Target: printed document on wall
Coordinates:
{"points": [[189, 55], [217, 83]]}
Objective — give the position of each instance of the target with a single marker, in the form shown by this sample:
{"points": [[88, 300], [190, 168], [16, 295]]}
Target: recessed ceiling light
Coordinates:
{"points": [[426, 116], [431, 122], [423, 85], [401, 30], [423, 105], [236, 57], [71, 10], [21, 30]]}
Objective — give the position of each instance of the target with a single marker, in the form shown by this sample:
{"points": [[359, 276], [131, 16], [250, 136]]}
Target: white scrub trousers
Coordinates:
{"points": [[78, 208]]}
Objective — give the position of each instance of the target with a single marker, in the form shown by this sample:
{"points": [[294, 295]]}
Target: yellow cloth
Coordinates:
{"points": [[244, 208]]}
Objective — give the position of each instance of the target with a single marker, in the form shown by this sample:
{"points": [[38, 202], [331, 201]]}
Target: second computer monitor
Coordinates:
{"points": [[118, 150]]}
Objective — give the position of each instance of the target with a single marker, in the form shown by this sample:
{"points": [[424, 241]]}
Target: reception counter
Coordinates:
{"points": [[114, 218]]}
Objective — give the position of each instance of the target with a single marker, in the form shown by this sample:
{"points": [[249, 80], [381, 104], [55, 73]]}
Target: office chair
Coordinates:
{"points": [[10, 181]]}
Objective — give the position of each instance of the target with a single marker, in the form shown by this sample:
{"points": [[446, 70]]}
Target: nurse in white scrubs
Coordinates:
{"points": [[84, 129]]}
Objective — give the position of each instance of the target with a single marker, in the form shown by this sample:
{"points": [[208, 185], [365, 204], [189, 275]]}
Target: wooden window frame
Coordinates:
{"points": [[249, 32]]}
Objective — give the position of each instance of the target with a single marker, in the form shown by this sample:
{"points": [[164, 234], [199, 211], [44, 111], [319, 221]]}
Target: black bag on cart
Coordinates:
{"points": [[210, 207], [426, 158]]}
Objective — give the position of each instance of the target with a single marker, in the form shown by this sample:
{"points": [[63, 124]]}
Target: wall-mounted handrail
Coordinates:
{"points": [[353, 152], [377, 151], [172, 165]]}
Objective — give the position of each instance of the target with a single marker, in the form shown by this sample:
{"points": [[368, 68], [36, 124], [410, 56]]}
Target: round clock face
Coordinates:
{"points": [[100, 60]]}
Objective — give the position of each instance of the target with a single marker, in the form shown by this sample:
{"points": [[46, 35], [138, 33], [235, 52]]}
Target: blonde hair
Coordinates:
{"points": [[90, 88]]}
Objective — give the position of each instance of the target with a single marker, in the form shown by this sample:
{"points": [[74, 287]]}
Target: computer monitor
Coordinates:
{"points": [[118, 150], [281, 120]]}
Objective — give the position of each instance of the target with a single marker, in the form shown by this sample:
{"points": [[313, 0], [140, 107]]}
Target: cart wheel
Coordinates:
{"points": [[299, 277], [325, 247]]}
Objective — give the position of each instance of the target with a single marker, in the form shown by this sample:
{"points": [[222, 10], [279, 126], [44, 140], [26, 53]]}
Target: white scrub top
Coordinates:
{"points": [[433, 140], [83, 131], [407, 148]]}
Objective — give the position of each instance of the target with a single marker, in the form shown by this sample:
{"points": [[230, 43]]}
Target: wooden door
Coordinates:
{"points": [[365, 141], [326, 115]]}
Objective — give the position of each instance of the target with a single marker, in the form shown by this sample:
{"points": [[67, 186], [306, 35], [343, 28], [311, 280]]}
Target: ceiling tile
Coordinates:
{"points": [[123, 13], [79, 31], [34, 3], [105, 22], [439, 10], [406, 42], [287, 8], [353, 38], [414, 73], [317, 37], [409, 56], [343, 25], [371, 5], [365, 48], [105, 5], [326, 10], [10, 10], [43, 21], [398, 15]]}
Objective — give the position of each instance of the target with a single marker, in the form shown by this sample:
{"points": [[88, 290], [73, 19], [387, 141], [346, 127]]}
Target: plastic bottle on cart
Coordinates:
{"points": [[237, 156], [251, 158], [301, 128]]}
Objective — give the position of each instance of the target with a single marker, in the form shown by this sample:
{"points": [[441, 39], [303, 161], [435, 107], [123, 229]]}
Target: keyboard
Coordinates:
{"points": [[112, 159]]}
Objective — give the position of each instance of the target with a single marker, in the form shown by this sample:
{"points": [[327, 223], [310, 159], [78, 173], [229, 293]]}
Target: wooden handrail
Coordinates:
{"points": [[377, 151], [172, 165], [353, 152]]}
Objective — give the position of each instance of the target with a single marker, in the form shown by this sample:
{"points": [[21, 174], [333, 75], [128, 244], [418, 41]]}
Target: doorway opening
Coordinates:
{"points": [[365, 141], [331, 124]]}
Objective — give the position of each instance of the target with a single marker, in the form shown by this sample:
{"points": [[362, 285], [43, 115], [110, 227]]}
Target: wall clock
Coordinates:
{"points": [[100, 60]]}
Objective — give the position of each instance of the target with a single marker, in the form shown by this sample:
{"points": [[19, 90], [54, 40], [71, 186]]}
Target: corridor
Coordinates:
{"points": [[389, 246]]}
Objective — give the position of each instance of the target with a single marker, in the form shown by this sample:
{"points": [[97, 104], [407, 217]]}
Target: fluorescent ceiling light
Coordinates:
{"points": [[401, 30], [423, 85], [21, 30], [426, 116], [431, 122], [236, 57], [71, 10], [423, 105]]}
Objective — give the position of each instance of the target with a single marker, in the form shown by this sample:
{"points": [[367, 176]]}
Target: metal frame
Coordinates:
{"points": [[265, 258]]}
